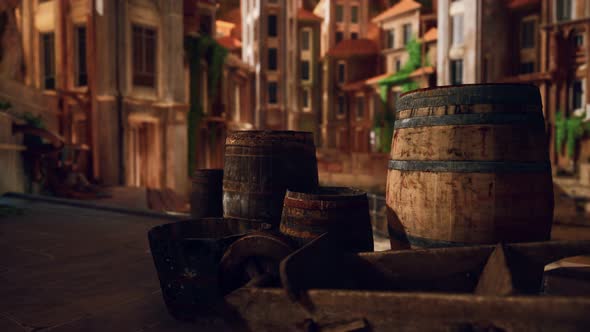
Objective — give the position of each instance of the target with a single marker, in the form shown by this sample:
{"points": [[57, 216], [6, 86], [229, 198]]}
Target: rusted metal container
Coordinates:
{"points": [[260, 166], [343, 212], [187, 255], [469, 165], [207, 194]]}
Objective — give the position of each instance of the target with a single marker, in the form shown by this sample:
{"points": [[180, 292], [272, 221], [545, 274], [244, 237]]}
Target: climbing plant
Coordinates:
{"points": [[384, 123], [569, 130], [197, 48]]}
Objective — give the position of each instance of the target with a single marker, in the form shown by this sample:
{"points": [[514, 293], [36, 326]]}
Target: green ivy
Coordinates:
{"points": [[569, 130], [560, 131], [197, 48], [386, 120]]}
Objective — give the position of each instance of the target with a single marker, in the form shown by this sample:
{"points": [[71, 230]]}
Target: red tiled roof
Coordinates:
{"points": [[229, 42], [305, 15], [521, 3], [401, 7], [374, 32], [234, 16], [351, 47], [430, 35]]}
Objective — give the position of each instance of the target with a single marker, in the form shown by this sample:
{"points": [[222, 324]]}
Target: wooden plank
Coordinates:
{"points": [[496, 277], [318, 265], [271, 310]]}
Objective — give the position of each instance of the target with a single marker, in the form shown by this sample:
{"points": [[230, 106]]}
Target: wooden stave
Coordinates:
{"points": [[490, 166], [308, 215], [254, 187], [206, 195]]}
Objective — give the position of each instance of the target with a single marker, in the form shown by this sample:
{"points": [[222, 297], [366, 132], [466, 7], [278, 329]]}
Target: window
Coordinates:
{"points": [[527, 67], [341, 72], [272, 59], [354, 14], [272, 26], [339, 13], [341, 106], [306, 101], [456, 72], [305, 36], [407, 33], [144, 56], [578, 40], [398, 64], [81, 72], [48, 49], [272, 92], [391, 38], [577, 95], [563, 10], [339, 36], [205, 24], [305, 70], [354, 35], [360, 107], [527, 34], [457, 29]]}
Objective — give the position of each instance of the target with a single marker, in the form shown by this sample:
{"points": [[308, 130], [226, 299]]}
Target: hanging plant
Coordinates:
{"points": [[401, 78], [197, 48], [560, 131]]}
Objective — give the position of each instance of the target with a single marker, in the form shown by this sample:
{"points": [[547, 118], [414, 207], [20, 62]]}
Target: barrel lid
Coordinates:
{"points": [[469, 94], [327, 194], [261, 137]]}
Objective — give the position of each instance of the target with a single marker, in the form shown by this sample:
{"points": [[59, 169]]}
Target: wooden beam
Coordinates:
{"points": [[271, 310]]}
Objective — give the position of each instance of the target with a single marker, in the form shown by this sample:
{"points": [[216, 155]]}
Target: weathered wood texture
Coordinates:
{"points": [[187, 255], [469, 165], [483, 268], [271, 310], [207, 193], [260, 166], [344, 212], [568, 281], [254, 260]]}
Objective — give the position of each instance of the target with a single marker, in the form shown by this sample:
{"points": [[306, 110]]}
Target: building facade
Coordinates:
{"points": [[540, 42], [307, 115], [123, 101], [269, 45]]}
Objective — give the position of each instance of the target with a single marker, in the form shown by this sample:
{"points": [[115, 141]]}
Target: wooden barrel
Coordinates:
{"points": [[187, 256], [344, 212], [207, 193], [260, 166], [469, 165]]}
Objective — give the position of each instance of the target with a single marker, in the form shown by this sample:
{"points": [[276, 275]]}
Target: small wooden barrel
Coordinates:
{"points": [[469, 165], [344, 212], [207, 193], [187, 256], [260, 166]]}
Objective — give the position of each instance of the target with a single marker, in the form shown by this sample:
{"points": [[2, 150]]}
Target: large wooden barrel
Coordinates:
{"points": [[469, 165], [260, 166], [207, 193], [343, 212]]}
